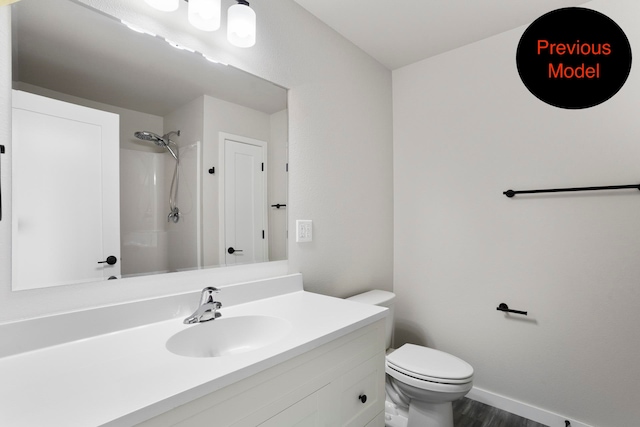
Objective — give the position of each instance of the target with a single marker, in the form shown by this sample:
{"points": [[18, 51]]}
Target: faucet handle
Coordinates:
{"points": [[207, 294]]}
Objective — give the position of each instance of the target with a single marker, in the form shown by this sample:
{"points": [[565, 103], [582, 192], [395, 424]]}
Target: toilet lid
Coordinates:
{"points": [[429, 364]]}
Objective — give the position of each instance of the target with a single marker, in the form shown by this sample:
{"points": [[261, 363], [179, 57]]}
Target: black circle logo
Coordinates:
{"points": [[574, 58]]}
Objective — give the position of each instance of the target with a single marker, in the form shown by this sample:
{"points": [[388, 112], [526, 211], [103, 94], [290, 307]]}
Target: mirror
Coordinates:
{"points": [[78, 56]]}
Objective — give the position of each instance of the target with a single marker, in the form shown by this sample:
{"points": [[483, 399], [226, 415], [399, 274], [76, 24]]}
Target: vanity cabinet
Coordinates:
{"points": [[339, 383]]}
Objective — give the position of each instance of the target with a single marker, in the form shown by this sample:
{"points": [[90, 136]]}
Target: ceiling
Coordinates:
{"points": [[401, 32]]}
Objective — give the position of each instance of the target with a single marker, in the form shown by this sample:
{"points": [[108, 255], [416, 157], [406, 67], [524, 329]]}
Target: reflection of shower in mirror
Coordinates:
{"points": [[164, 141]]}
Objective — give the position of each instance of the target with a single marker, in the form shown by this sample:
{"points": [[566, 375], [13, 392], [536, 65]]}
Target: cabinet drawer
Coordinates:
{"points": [[305, 413], [361, 392]]}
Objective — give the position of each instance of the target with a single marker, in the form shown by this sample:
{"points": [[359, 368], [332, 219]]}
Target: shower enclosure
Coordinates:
{"points": [[164, 141]]}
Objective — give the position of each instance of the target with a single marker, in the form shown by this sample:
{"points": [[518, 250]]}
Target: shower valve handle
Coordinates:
{"points": [[110, 260]]}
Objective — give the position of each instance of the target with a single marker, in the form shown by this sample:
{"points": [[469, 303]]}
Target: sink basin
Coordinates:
{"points": [[228, 336]]}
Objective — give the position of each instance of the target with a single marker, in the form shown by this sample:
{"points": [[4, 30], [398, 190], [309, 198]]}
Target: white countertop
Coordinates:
{"points": [[126, 377]]}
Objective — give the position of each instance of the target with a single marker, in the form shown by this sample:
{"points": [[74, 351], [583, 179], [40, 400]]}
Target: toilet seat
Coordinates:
{"points": [[421, 384], [427, 364]]}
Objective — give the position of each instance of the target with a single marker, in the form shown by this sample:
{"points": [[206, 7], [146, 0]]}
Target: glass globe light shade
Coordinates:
{"points": [[241, 25], [205, 14]]}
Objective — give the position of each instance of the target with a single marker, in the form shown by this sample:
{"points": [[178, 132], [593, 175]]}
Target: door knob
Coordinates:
{"points": [[110, 260], [231, 250]]}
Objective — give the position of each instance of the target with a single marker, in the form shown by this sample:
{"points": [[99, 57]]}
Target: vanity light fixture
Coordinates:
{"points": [[205, 15], [241, 24]]}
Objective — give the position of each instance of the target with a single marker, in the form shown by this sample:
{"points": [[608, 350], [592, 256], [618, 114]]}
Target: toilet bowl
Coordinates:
{"points": [[429, 380], [421, 382]]}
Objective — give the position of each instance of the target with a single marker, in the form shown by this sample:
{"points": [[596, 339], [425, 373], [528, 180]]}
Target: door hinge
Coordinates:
{"points": [[263, 234], [286, 167], [263, 167]]}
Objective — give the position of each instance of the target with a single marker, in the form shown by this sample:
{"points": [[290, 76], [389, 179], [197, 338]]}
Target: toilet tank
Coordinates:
{"points": [[382, 299]]}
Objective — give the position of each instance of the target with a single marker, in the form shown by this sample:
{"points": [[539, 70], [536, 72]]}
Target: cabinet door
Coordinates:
{"points": [[362, 392], [305, 413]]}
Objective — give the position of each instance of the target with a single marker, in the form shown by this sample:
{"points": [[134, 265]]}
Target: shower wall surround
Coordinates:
{"points": [[340, 117], [143, 225]]}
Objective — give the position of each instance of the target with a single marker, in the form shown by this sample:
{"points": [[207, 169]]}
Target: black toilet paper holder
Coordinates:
{"points": [[504, 307]]}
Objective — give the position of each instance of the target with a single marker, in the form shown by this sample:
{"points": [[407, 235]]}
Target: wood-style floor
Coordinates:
{"points": [[469, 413]]}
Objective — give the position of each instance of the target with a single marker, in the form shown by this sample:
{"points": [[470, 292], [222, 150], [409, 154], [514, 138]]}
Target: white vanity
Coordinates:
{"points": [[278, 356], [314, 361]]}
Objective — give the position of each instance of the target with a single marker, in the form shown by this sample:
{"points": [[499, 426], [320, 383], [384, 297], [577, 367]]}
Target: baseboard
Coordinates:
{"points": [[533, 413]]}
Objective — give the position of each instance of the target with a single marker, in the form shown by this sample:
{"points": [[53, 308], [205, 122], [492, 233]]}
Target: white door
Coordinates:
{"points": [[244, 201], [65, 205]]}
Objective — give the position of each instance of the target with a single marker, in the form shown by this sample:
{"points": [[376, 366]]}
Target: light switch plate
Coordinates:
{"points": [[304, 230]]}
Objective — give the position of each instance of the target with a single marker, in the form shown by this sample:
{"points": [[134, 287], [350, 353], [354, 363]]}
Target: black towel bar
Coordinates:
{"points": [[511, 193]]}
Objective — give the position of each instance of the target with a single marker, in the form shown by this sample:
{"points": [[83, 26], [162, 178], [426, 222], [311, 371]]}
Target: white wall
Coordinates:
{"points": [[465, 130], [340, 150], [277, 192], [143, 209]]}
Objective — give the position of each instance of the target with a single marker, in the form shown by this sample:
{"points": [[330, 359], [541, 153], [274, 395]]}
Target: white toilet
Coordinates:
{"points": [[421, 382]]}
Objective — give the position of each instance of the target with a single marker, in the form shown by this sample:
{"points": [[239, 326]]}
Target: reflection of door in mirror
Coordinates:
{"points": [[245, 216], [65, 193]]}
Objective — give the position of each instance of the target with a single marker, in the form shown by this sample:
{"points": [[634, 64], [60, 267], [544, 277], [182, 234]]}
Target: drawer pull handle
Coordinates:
{"points": [[363, 398]]}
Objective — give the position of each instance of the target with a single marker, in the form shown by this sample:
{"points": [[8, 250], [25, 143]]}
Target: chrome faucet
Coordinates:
{"points": [[208, 309]]}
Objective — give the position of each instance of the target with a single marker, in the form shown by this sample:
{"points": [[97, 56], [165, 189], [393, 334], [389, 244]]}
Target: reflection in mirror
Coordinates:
{"points": [[226, 129]]}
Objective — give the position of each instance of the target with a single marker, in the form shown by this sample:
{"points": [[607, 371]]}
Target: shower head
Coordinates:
{"points": [[160, 141], [150, 136], [164, 141]]}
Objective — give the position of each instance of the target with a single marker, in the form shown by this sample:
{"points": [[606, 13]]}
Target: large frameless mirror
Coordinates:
{"points": [[133, 157]]}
